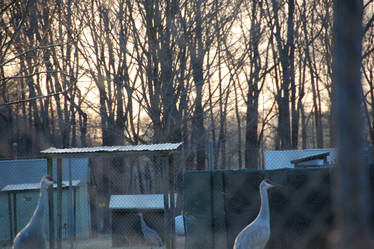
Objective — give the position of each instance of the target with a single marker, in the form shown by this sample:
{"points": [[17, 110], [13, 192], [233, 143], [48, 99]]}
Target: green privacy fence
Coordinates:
{"points": [[219, 204]]}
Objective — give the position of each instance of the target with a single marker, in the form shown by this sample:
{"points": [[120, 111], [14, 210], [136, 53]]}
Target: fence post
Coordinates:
{"points": [[165, 190], [59, 203], [212, 188], [10, 218], [172, 199], [51, 207], [352, 183]]}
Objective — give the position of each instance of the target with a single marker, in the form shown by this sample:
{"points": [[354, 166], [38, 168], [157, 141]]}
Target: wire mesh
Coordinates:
{"points": [[99, 210], [301, 209], [101, 204]]}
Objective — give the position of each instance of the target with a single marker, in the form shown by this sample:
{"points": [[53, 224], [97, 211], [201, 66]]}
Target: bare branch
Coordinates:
{"points": [[29, 51], [37, 97]]}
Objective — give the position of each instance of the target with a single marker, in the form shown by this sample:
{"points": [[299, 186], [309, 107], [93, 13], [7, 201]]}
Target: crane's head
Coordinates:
{"points": [[267, 183], [46, 181]]}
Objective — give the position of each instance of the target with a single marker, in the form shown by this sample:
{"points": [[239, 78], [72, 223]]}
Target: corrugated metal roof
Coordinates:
{"points": [[125, 148], [32, 186], [144, 201]]}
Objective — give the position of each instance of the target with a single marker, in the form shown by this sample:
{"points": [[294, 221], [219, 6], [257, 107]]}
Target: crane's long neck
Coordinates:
{"points": [[39, 211], [264, 210], [142, 222]]}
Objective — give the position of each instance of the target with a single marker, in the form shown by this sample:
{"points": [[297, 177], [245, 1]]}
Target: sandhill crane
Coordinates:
{"points": [[150, 236], [257, 233], [32, 235], [179, 225]]}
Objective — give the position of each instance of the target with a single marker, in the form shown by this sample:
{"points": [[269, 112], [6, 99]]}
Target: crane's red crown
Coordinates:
{"points": [[268, 181], [49, 178]]}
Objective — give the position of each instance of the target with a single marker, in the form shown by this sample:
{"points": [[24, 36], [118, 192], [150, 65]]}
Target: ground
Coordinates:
{"points": [[102, 242]]}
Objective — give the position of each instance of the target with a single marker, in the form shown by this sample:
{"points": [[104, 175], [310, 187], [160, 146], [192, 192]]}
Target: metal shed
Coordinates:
{"points": [[278, 159], [19, 194], [318, 160], [164, 151], [25, 191], [125, 208]]}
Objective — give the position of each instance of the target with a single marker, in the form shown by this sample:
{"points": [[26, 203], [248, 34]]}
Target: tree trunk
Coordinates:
{"points": [[197, 56], [286, 54], [251, 135]]}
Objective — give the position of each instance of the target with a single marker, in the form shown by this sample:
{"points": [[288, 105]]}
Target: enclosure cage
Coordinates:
{"points": [[98, 198], [116, 175]]}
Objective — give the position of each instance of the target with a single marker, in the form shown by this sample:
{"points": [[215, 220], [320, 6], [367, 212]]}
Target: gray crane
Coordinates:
{"points": [[257, 233], [150, 236], [32, 235]]}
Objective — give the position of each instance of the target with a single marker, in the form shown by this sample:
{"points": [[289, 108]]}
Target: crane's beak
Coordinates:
{"points": [[276, 185], [53, 183]]}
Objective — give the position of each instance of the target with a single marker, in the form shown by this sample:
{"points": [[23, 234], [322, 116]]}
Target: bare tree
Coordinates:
{"points": [[367, 67], [254, 68], [309, 43], [284, 50], [31, 64]]}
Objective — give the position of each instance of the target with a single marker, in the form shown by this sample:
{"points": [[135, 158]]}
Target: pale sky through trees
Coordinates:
{"points": [[134, 71]]}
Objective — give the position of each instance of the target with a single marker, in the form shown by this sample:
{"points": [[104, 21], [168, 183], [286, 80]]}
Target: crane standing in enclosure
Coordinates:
{"points": [[257, 233], [32, 235], [150, 236]]}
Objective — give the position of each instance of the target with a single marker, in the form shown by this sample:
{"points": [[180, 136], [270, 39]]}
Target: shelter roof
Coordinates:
{"points": [[321, 156], [36, 185], [55, 152], [143, 201]]}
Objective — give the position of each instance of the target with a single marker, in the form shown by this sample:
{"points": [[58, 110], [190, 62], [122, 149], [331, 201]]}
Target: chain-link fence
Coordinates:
{"points": [[300, 209], [118, 202], [106, 202]]}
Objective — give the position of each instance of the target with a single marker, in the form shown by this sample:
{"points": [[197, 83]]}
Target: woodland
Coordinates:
{"points": [[245, 76]]}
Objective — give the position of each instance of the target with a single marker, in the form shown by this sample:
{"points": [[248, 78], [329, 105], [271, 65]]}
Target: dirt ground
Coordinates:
{"points": [[103, 242]]}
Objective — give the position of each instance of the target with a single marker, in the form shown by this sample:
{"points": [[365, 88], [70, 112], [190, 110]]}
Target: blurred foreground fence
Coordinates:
{"points": [[109, 193], [219, 204]]}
